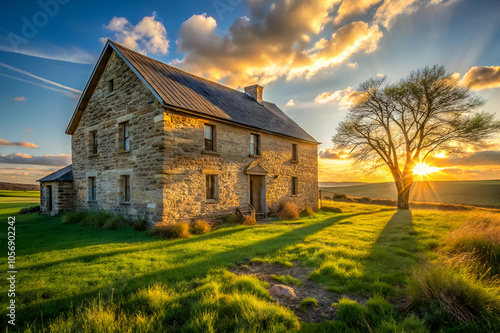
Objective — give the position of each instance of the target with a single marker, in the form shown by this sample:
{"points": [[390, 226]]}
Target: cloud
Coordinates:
{"points": [[332, 154], [352, 65], [51, 52], [344, 98], [30, 130], [480, 158], [483, 77], [380, 75], [147, 36], [64, 92], [18, 70], [390, 9], [350, 8], [19, 144], [273, 41], [290, 103], [18, 158], [20, 99]]}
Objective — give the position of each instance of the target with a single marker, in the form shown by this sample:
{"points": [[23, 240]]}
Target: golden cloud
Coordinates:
{"points": [[390, 9], [350, 8], [344, 98], [483, 77], [271, 43], [19, 144]]}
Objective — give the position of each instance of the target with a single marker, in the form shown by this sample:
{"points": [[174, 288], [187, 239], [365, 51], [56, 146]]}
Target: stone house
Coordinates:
{"points": [[152, 140]]}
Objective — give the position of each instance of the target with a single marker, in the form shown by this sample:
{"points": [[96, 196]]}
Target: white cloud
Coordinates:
{"points": [[352, 65], [147, 36], [290, 103]]}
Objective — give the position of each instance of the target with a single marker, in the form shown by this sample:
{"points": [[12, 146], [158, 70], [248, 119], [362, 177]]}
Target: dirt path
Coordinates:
{"points": [[324, 310]]}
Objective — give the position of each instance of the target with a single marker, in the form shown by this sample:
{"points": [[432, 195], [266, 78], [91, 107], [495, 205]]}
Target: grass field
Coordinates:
{"points": [[79, 275], [477, 193]]}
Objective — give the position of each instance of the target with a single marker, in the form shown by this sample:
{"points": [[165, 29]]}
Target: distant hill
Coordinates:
{"points": [[339, 184], [485, 193], [18, 187]]}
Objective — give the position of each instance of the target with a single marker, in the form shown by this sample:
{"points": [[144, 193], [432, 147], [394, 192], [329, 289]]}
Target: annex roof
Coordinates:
{"points": [[62, 175]]}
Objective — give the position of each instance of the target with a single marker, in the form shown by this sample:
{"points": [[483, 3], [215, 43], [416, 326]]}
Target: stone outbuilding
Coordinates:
{"points": [[154, 141], [56, 192]]}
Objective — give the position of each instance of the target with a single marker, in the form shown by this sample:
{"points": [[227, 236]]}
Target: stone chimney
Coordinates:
{"points": [[255, 92]]}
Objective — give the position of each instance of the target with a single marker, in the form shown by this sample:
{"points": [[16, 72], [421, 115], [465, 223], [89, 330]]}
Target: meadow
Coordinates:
{"points": [[484, 193], [77, 278]]}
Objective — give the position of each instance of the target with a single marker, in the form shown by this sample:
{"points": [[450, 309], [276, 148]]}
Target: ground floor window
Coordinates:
{"points": [[91, 189], [295, 185], [126, 188], [211, 186]]}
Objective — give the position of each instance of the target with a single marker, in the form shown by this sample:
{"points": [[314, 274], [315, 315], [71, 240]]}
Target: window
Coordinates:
{"points": [[125, 129], [91, 189], [295, 186], [211, 181], [126, 188], [111, 86], [254, 144], [209, 137], [94, 142], [295, 153]]}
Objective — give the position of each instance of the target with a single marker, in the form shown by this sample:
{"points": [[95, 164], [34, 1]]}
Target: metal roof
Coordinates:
{"points": [[179, 89], [62, 175]]}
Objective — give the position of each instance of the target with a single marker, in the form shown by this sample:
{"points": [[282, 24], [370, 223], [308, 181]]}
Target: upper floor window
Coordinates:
{"points": [[254, 144], [295, 186], [209, 137], [211, 187], [111, 85], [125, 133], [91, 189], [295, 153], [93, 142]]}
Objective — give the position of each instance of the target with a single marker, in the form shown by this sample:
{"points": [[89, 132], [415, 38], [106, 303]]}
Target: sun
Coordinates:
{"points": [[423, 169]]}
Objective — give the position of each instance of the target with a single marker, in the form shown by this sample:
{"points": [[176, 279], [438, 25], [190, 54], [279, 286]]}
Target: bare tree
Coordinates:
{"points": [[399, 125]]}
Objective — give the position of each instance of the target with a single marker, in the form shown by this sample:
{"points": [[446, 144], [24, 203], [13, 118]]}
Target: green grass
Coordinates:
{"points": [[19, 197], [286, 279], [367, 250], [476, 193]]}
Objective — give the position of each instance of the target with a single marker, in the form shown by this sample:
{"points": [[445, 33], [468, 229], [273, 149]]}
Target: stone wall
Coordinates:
{"points": [[186, 164], [130, 102], [167, 164], [62, 197]]}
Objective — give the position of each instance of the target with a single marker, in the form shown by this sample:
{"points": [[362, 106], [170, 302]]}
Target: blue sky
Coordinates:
{"points": [[49, 48]]}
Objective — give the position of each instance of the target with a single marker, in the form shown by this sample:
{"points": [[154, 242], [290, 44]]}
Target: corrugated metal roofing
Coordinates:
{"points": [[62, 175], [177, 88]]}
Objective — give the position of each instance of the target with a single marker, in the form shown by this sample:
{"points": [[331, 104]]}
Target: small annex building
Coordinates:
{"points": [[56, 192]]}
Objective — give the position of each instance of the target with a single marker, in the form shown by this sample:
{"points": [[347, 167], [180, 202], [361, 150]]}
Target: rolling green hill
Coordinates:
{"points": [[478, 193]]}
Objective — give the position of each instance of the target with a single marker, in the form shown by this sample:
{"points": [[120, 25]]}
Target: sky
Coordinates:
{"points": [[309, 55]]}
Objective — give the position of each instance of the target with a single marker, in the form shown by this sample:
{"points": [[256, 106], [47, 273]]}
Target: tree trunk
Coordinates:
{"points": [[404, 191]]}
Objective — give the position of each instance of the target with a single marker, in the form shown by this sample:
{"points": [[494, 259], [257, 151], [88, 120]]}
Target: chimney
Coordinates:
{"points": [[255, 92]]}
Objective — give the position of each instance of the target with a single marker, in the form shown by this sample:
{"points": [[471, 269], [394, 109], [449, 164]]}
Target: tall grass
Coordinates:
{"points": [[476, 245]]}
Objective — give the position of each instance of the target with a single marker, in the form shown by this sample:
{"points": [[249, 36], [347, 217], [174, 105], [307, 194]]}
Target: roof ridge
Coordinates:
{"points": [[176, 68]]}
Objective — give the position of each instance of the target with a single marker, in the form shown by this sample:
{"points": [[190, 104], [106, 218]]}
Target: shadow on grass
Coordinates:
{"points": [[181, 273]]}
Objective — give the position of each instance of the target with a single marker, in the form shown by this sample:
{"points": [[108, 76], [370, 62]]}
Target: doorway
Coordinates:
{"points": [[49, 198], [258, 193]]}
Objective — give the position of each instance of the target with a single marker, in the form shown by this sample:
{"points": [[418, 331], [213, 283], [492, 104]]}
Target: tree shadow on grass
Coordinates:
{"points": [[182, 273]]}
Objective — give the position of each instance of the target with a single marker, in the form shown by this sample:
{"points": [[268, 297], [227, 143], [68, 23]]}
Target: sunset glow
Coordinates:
{"points": [[423, 169]]}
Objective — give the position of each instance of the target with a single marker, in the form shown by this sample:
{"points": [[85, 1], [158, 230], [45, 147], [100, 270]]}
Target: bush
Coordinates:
{"points": [[286, 279], [351, 313], [248, 220], [364, 200], [170, 230], [199, 227], [307, 303], [476, 245], [97, 219], [115, 221], [438, 290], [74, 217], [307, 211], [340, 197], [140, 224], [288, 210], [30, 210], [331, 209], [229, 218]]}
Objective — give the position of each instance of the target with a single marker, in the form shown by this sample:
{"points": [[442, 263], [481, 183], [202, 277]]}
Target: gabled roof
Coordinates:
{"points": [[62, 175], [181, 90]]}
